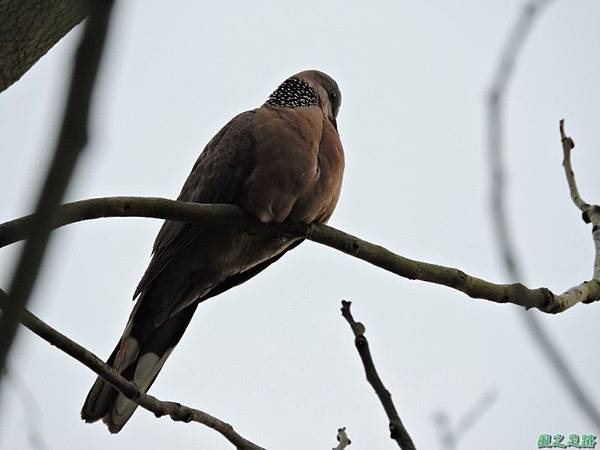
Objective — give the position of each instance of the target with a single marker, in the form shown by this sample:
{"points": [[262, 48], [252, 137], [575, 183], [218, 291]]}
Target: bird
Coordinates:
{"points": [[283, 161]]}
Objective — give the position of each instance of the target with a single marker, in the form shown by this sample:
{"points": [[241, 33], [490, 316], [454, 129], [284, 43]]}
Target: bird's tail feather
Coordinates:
{"points": [[100, 396], [138, 360]]}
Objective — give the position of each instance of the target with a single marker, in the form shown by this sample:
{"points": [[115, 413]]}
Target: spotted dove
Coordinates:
{"points": [[282, 161]]}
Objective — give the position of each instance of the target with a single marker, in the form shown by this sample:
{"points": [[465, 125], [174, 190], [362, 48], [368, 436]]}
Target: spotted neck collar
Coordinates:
{"points": [[293, 93]]}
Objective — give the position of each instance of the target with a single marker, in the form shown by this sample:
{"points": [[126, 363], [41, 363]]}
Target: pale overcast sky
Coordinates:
{"points": [[274, 357]]}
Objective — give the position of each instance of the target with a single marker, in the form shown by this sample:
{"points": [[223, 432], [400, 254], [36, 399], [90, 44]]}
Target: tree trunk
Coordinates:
{"points": [[29, 28]]}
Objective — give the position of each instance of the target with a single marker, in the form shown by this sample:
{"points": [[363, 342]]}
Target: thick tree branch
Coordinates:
{"points": [[70, 143], [29, 28], [176, 411], [496, 99], [518, 294], [150, 207], [397, 430]]}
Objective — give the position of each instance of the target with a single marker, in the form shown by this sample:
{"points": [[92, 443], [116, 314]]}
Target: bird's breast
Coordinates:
{"points": [[299, 164]]}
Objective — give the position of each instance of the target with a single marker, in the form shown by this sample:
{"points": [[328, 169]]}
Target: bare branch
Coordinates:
{"points": [[516, 39], [450, 435], [474, 414], [397, 430], [70, 143], [176, 411], [504, 71], [343, 439], [518, 294], [590, 213], [568, 144], [150, 207]]}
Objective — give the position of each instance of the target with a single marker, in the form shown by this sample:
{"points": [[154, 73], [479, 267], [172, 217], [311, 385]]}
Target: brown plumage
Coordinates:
{"points": [[281, 161]]}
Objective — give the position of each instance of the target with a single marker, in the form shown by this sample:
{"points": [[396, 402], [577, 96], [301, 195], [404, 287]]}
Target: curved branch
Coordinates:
{"points": [[518, 294], [149, 207], [176, 411]]}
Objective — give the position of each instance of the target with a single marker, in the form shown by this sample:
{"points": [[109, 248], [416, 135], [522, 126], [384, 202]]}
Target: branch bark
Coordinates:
{"points": [[150, 207], [176, 411], [397, 430], [518, 294], [29, 28]]}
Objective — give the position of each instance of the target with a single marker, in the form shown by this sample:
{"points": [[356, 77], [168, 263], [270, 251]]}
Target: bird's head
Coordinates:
{"points": [[309, 88]]}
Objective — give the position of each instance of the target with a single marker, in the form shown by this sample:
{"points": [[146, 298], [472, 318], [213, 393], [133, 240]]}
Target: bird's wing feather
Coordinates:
{"points": [[218, 176], [242, 277]]}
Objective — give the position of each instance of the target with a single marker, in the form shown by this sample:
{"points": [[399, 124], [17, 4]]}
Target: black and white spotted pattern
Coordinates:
{"points": [[293, 93]]}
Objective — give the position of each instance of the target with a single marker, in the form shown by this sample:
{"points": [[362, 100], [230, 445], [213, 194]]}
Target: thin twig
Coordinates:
{"points": [[71, 141], [441, 420], [501, 79], [568, 144], [518, 294], [514, 44], [451, 435], [590, 213], [343, 439], [176, 411], [397, 430], [468, 420]]}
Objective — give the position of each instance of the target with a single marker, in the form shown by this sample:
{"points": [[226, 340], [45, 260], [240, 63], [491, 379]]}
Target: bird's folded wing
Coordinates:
{"points": [[218, 176]]}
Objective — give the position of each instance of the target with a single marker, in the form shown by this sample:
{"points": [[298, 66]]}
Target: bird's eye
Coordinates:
{"points": [[332, 96]]}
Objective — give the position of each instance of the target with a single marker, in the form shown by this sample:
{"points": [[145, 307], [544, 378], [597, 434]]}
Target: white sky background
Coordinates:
{"points": [[274, 357]]}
